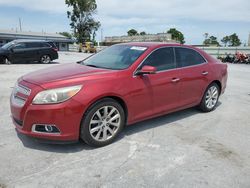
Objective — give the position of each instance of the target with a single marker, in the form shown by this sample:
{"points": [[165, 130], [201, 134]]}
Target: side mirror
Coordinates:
{"points": [[147, 70], [12, 50]]}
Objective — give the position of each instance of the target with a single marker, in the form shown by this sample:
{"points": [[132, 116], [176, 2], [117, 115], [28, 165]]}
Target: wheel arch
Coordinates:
{"points": [[218, 83], [118, 99]]}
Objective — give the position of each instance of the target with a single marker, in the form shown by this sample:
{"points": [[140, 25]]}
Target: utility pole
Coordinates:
{"points": [[101, 34], [20, 24]]}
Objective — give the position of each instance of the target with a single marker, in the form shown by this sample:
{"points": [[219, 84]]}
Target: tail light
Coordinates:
{"points": [[55, 49]]}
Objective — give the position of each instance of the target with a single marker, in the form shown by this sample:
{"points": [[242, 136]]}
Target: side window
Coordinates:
{"points": [[33, 45], [44, 45], [187, 57], [19, 46], [162, 59]]}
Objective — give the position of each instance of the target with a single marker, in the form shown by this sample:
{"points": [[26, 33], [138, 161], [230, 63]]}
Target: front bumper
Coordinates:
{"points": [[65, 116]]}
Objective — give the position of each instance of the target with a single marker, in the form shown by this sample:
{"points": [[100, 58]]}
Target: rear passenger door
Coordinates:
{"points": [[194, 72], [33, 50]]}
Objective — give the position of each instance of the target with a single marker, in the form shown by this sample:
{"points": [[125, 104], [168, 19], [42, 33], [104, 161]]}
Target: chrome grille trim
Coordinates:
{"points": [[17, 99], [22, 89]]}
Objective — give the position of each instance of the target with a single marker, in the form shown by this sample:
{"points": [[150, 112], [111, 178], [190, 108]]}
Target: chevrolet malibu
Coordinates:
{"points": [[95, 98]]}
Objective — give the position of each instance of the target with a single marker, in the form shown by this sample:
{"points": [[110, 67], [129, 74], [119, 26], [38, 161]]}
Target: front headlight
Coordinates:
{"points": [[58, 95]]}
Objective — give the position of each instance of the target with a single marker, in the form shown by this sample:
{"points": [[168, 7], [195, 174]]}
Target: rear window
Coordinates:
{"points": [[187, 57], [45, 44], [52, 44]]}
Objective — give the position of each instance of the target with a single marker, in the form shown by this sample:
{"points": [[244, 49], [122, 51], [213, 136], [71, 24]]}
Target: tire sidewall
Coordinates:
{"points": [[85, 131]]}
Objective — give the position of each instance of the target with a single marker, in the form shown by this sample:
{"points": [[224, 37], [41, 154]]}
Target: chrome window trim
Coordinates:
{"points": [[176, 68]]}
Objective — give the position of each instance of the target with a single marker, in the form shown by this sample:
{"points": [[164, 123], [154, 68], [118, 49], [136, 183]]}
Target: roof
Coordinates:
{"points": [[151, 44], [29, 40], [12, 34]]}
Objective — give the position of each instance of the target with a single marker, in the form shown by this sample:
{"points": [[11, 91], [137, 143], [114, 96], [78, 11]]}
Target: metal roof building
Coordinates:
{"points": [[61, 41]]}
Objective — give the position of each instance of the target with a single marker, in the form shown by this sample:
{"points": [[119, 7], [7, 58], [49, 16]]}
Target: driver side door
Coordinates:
{"points": [[164, 83], [19, 53]]}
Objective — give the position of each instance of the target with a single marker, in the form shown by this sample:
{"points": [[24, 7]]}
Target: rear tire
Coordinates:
{"points": [[45, 59], [210, 98], [102, 123]]}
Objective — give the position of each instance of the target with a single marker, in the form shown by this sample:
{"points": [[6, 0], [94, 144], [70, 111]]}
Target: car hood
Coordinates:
{"points": [[63, 72], [3, 50]]}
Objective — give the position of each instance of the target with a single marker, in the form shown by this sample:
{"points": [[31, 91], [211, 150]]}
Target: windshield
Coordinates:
{"points": [[9, 44], [116, 57]]}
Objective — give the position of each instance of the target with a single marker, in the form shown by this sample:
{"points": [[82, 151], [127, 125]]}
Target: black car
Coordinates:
{"points": [[18, 51]]}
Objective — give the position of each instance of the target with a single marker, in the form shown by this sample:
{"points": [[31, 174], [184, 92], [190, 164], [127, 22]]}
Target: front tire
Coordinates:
{"points": [[102, 123], [45, 59], [210, 98], [6, 61]]}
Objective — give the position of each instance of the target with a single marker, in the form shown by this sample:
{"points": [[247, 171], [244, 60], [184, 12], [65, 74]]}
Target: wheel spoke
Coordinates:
{"points": [[95, 121], [110, 130], [215, 93], [114, 124], [114, 118], [111, 112], [104, 134], [98, 135], [95, 129], [105, 111], [99, 115]]}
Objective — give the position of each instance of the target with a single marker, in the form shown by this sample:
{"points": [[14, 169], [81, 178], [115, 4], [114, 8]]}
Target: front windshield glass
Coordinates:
{"points": [[116, 57], [9, 44]]}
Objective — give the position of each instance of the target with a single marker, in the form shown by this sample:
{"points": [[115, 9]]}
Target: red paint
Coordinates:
{"points": [[145, 96]]}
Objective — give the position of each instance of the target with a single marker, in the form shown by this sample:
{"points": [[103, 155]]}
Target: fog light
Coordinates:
{"points": [[48, 128], [45, 128]]}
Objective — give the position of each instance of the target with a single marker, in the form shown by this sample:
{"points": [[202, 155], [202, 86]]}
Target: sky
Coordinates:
{"points": [[192, 17]]}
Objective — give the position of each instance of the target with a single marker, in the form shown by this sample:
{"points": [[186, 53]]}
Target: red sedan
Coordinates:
{"points": [[123, 84]]}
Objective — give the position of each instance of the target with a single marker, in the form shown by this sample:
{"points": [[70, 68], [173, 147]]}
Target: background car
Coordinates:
{"points": [[121, 85], [22, 51]]}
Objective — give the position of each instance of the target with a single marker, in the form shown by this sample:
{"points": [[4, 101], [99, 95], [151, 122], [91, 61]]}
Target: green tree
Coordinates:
{"points": [[176, 35], [234, 40], [132, 32], [211, 40], [143, 33], [225, 40], [82, 20], [66, 34]]}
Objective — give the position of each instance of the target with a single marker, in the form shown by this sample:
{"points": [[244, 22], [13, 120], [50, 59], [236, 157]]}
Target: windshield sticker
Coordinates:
{"points": [[138, 48]]}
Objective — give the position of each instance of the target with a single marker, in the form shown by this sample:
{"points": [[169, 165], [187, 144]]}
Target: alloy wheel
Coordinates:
{"points": [[211, 97], [45, 59], [105, 123]]}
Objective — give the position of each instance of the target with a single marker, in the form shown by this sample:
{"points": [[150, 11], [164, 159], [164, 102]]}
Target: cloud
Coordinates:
{"points": [[191, 16], [51, 6], [164, 10]]}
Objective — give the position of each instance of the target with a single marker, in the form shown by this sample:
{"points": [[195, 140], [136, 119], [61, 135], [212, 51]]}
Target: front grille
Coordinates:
{"points": [[20, 94], [18, 122], [22, 89]]}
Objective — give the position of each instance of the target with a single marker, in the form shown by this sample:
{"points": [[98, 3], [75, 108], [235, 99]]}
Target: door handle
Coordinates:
{"points": [[204, 73], [174, 80]]}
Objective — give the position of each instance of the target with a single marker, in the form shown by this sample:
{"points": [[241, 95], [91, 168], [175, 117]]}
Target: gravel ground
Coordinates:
{"points": [[183, 149]]}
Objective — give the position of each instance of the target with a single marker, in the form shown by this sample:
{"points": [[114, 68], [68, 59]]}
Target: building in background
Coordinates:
{"points": [[61, 41], [160, 37]]}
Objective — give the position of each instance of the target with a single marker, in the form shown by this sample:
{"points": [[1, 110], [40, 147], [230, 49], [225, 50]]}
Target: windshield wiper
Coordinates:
{"points": [[91, 66]]}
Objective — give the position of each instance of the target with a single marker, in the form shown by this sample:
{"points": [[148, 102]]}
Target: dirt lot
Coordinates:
{"points": [[183, 149]]}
